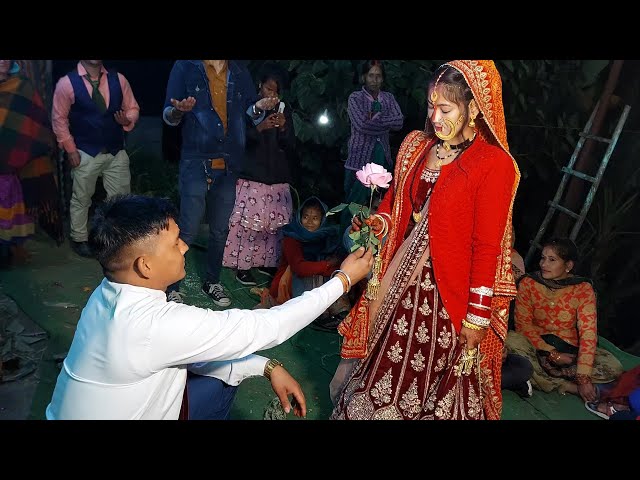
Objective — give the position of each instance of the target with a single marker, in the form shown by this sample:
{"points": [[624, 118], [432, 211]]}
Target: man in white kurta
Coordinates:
{"points": [[131, 350], [129, 355]]}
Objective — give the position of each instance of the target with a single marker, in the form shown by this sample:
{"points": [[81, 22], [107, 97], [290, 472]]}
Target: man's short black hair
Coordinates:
{"points": [[123, 220]]}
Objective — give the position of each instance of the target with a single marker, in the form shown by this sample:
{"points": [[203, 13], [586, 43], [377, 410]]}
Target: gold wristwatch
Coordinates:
{"points": [[268, 368]]}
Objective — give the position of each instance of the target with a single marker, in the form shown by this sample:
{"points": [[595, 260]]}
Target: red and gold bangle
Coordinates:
{"points": [[471, 325], [479, 299], [385, 226], [479, 321], [479, 312], [344, 278]]}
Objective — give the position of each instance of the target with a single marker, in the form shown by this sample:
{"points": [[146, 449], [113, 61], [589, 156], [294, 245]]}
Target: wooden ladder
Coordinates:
{"points": [[554, 205]]}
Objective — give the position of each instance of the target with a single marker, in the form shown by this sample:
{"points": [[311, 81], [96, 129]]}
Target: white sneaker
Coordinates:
{"points": [[175, 296]]}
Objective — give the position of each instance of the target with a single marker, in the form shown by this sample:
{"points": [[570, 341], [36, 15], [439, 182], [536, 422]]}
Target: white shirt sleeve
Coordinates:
{"points": [[231, 372], [183, 334]]}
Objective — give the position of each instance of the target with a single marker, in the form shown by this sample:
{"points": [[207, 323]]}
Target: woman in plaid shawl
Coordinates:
{"points": [[28, 190]]}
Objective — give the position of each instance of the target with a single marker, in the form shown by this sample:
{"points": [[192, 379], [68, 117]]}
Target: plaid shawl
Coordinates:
{"points": [[26, 146]]}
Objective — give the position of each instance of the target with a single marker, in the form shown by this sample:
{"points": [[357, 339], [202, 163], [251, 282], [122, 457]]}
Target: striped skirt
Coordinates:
{"points": [[15, 225]]}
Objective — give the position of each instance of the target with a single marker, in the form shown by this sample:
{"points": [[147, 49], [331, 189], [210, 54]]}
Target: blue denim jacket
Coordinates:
{"points": [[203, 135]]}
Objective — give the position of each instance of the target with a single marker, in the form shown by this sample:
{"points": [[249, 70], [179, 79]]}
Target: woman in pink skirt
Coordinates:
{"points": [[263, 200]]}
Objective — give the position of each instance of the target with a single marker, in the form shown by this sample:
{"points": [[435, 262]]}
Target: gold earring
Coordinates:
{"points": [[472, 122]]}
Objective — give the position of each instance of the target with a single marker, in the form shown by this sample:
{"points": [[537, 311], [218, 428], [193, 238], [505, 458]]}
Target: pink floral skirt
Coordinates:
{"points": [[255, 238]]}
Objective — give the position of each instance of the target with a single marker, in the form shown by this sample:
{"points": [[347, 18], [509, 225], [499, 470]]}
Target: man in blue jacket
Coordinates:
{"points": [[212, 99]]}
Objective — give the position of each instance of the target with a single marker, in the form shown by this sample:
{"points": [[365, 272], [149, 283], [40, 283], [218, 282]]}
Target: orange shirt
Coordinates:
{"points": [[569, 313], [218, 89]]}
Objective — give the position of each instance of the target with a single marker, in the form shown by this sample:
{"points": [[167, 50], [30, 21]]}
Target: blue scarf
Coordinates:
{"points": [[315, 245]]}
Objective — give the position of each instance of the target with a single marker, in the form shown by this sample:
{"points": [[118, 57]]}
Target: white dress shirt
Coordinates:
{"points": [[131, 349]]}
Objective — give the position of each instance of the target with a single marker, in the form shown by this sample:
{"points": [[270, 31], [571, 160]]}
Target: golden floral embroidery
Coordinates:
{"points": [[431, 400], [400, 327], [444, 339], [422, 333], [443, 314], [395, 352], [425, 309], [474, 407], [360, 407], [410, 403], [441, 363], [426, 284], [418, 361], [443, 410], [387, 413], [381, 392], [407, 303]]}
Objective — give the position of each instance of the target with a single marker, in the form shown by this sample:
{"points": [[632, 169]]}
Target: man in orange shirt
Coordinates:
{"points": [[213, 100], [92, 108]]}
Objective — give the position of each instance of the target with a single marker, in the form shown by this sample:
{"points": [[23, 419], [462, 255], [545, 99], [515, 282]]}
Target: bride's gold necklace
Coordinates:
{"points": [[454, 150], [446, 157]]}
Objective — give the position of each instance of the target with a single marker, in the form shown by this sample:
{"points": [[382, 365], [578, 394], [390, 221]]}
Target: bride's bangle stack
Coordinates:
{"points": [[385, 226], [479, 309]]}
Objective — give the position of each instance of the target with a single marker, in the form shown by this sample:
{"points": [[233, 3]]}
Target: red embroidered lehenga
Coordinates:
{"points": [[400, 351]]}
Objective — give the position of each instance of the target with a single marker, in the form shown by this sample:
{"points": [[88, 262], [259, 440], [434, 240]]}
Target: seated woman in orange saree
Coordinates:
{"points": [[429, 345]]}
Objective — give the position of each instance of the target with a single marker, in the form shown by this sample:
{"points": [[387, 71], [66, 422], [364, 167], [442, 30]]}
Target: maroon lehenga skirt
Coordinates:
{"points": [[412, 371]]}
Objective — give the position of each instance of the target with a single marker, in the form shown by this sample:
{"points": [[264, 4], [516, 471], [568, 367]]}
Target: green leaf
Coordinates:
{"points": [[336, 209], [318, 67], [374, 240], [355, 208], [355, 236], [355, 247]]}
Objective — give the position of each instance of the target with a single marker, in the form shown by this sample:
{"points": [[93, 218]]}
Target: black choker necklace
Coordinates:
{"points": [[461, 146]]}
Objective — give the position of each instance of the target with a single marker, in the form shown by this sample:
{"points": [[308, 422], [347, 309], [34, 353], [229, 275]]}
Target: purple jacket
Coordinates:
{"points": [[367, 130]]}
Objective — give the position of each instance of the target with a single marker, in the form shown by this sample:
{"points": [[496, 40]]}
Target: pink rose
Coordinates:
{"points": [[374, 175]]}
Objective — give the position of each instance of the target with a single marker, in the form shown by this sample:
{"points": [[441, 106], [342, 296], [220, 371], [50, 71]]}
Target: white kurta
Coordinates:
{"points": [[131, 349]]}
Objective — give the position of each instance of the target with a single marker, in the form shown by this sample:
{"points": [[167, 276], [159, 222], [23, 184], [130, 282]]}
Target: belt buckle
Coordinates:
{"points": [[217, 163]]}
